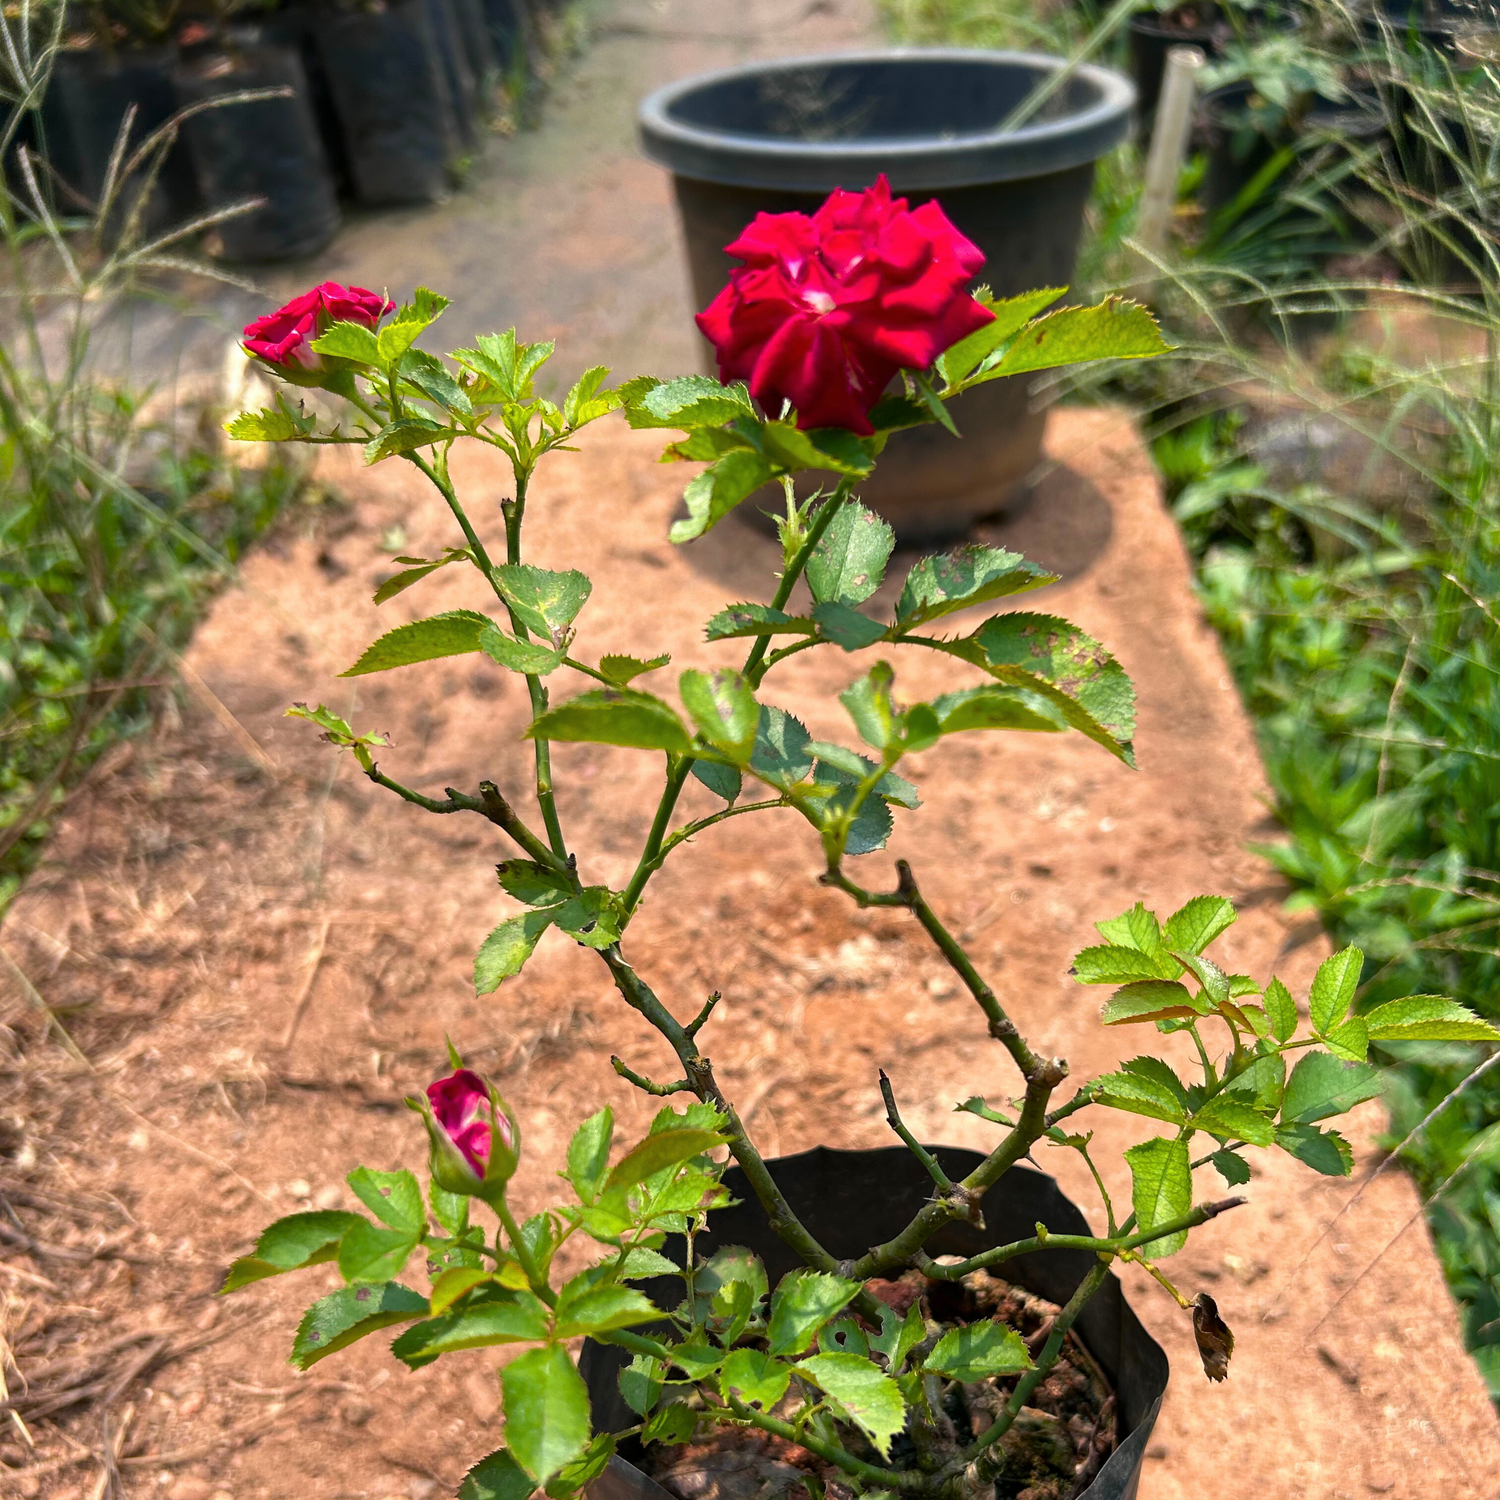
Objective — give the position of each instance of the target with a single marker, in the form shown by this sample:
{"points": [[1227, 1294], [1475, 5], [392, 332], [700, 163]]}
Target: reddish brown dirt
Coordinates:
{"points": [[192, 900]]}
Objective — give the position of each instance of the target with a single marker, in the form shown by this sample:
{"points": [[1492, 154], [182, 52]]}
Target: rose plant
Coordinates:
{"points": [[847, 325]]}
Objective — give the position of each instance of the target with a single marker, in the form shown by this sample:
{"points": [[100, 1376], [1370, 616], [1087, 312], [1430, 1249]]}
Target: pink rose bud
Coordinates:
{"points": [[284, 338], [474, 1136], [826, 309]]}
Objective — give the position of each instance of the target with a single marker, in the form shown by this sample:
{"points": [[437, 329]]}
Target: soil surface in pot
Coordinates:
{"points": [[1057, 1445]]}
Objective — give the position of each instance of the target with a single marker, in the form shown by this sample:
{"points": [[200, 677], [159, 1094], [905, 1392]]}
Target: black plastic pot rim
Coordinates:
{"points": [[962, 160]]}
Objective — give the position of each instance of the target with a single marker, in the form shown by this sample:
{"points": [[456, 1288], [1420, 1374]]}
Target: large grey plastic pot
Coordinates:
{"points": [[779, 136], [850, 1200]]}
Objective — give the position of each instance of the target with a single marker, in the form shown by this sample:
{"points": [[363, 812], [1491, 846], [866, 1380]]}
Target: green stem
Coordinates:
{"points": [[534, 1278], [1114, 1244], [794, 570], [917, 1149], [779, 1213], [489, 805], [1030, 1380], [680, 768]]}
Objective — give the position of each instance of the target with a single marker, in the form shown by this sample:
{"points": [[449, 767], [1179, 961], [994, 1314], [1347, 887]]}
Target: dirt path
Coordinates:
{"points": [[260, 962]]}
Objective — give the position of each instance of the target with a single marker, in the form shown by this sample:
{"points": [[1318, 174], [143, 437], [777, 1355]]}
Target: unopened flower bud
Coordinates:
{"points": [[475, 1138]]}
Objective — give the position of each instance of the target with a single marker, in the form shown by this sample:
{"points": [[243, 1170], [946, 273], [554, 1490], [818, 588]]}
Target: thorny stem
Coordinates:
{"points": [[917, 1149], [646, 1086], [489, 804], [780, 1215]]}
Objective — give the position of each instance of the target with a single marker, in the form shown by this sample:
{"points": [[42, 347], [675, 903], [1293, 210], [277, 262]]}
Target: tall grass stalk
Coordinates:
{"points": [[112, 526]]}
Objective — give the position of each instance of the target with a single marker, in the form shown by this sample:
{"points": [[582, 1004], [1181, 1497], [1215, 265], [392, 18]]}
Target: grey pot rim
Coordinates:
{"points": [[963, 160]]}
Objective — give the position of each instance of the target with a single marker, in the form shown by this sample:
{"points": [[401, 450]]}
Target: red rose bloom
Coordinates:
{"points": [[285, 337], [826, 309]]}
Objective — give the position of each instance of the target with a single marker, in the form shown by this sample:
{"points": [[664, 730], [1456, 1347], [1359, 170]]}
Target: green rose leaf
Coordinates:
{"points": [[623, 670], [1145, 1086], [614, 716], [996, 708], [697, 1360], [1322, 1086], [1196, 925], [420, 567], [1214, 980], [505, 365], [585, 401], [1325, 1151], [780, 756], [1231, 1166], [755, 619], [1281, 1010], [1161, 1190], [674, 1423], [1108, 964], [658, 1152], [337, 1320], [269, 425], [846, 627], [532, 883], [1427, 1018], [640, 1383], [1264, 1082], [579, 1473], [1349, 1039], [868, 1395], [1113, 329], [1011, 315], [544, 601], [588, 1154], [754, 1377], [1333, 989], [641, 1262], [1071, 669], [722, 781], [723, 708], [801, 1304], [687, 402], [546, 1410], [430, 376], [594, 917], [848, 563], [717, 490], [518, 655], [596, 1309], [505, 951], [498, 1477], [1148, 1000], [510, 1318], [367, 1253], [455, 633], [290, 1244], [403, 436], [395, 1198], [978, 1351], [868, 702], [957, 580], [898, 1336], [349, 341], [1234, 1120], [455, 1284]]}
